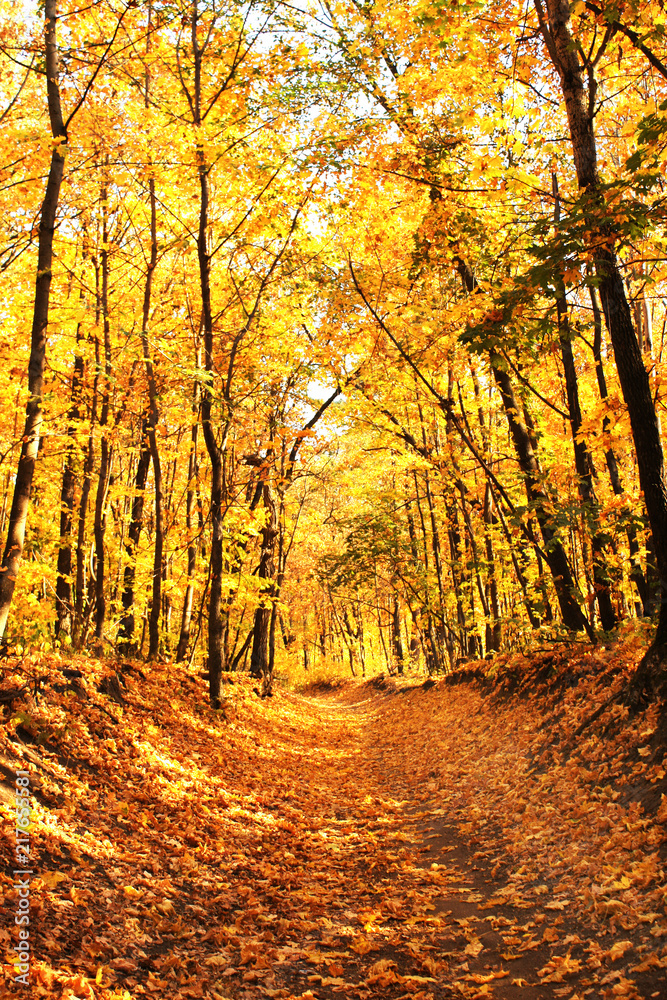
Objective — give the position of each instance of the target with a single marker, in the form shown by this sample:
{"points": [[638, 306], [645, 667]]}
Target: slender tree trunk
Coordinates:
{"points": [[188, 600], [455, 565], [430, 631], [435, 549], [260, 656], [151, 431], [564, 582], [216, 629], [64, 605], [359, 618], [153, 409], [105, 444], [378, 612], [81, 610], [127, 627], [280, 579], [397, 639], [33, 421], [493, 637]]}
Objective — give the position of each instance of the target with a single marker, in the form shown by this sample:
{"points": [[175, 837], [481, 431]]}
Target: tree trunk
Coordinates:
{"points": [[493, 637], [634, 379], [636, 573], [105, 444], [127, 626], [493, 630], [33, 421], [188, 600], [397, 639], [260, 665], [151, 431], [81, 610], [434, 662], [64, 605], [583, 460], [566, 586]]}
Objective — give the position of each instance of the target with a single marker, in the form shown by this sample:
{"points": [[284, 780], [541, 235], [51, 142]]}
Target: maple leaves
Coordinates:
{"points": [[363, 841]]}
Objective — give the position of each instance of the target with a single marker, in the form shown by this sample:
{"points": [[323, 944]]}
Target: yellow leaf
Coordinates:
{"points": [[216, 960], [381, 966], [361, 946], [51, 879], [618, 949]]}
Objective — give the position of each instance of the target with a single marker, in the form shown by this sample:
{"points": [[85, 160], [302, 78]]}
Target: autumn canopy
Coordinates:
{"points": [[332, 333]]}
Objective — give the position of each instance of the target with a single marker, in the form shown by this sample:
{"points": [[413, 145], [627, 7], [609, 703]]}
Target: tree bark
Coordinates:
{"points": [[105, 444], [127, 626], [215, 449], [583, 460], [260, 656], [33, 421], [151, 432], [64, 605], [564, 583], [632, 373], [397, 639], [188, 600], [636, 572]]}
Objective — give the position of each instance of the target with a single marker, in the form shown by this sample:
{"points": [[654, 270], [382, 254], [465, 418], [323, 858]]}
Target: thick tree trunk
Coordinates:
{"points": [[634, 379], [33, 421]]}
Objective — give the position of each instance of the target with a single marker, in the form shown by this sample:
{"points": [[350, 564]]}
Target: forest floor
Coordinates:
{"points": [[387, 838]]}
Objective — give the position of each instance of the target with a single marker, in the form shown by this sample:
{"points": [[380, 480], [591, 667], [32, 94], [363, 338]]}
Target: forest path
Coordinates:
{"points": [[462, 870], [418, 910], [420, 842]]}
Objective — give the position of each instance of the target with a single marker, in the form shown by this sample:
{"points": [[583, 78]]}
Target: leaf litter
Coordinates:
{"points": [[394, 839]]}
